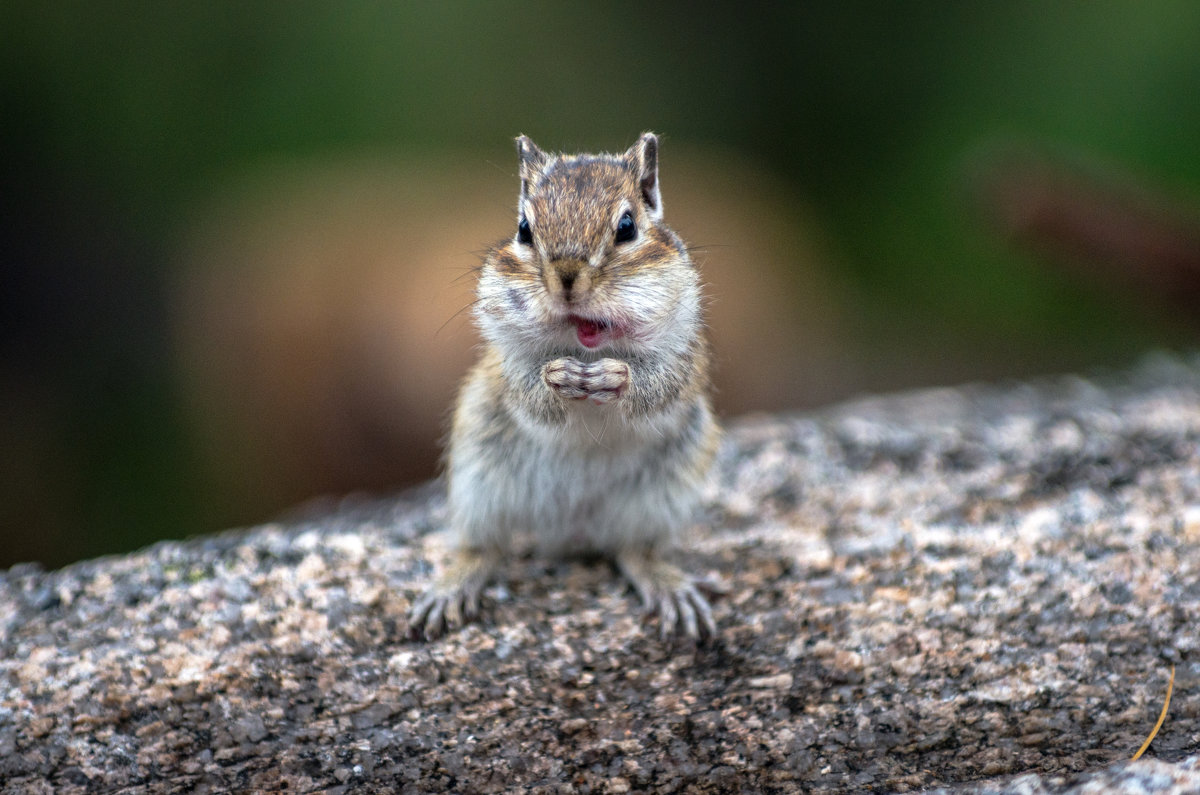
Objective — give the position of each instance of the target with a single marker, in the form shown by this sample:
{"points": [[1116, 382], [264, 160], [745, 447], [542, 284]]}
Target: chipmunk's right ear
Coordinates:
{"points": [[533, 162], [644, 157]]}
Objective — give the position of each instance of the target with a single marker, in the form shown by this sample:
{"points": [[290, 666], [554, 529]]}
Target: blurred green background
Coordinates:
{"points": [[887, 122]]}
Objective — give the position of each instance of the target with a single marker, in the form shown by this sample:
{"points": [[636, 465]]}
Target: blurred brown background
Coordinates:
{"points": [[236, 238]]}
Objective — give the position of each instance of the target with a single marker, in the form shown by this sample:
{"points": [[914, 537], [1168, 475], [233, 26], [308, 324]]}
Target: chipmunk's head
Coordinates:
{"points": [[591, 259]]}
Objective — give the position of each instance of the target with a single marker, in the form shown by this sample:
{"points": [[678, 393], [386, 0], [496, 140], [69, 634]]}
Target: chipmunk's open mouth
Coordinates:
{"points": [[592, 332]]}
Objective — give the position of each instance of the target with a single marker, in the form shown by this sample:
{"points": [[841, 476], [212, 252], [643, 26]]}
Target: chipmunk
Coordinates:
{"points": [[586, 421]]}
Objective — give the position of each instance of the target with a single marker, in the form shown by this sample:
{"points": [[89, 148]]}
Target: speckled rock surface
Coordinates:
{"points": [[972, 590]]}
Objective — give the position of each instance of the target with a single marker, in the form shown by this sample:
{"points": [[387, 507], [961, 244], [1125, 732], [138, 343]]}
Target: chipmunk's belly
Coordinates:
{"points": [[587, 487], [597, 488]]}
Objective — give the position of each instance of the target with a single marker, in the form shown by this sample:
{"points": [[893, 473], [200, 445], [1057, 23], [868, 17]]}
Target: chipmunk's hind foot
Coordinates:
{"points": [[680, 600]]}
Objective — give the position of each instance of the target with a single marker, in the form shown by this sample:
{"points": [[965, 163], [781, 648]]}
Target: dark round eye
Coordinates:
{"points": [[524, 234], [626, 228]]}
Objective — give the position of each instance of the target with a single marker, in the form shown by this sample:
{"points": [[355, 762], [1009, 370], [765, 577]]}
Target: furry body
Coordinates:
{"points": [[586, 422]]}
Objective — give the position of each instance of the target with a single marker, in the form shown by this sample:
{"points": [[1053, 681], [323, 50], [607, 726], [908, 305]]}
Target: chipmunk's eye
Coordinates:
{"points": [[524, 233], [626, 228]]}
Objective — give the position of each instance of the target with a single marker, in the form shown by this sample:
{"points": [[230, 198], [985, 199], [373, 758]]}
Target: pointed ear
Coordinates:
{"points": [[532, 162], [644, 157]]}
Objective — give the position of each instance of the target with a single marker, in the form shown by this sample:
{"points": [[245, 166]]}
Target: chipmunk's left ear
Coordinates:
{"points": [[532, 162], [643, 155]]}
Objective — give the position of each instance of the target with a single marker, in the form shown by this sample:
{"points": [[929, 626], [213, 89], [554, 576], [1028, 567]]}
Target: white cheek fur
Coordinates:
{"points": [[659, 311]]}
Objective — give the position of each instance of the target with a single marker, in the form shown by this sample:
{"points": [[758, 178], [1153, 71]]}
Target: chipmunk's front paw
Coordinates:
{"points": [[602, 380], [677, 598], [452, 600]]}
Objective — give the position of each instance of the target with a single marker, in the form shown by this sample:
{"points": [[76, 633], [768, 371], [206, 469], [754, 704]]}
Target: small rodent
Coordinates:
{"points": [[586, 422]]}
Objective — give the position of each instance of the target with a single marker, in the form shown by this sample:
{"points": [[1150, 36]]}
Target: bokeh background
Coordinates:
{"points": [[236, 237]]}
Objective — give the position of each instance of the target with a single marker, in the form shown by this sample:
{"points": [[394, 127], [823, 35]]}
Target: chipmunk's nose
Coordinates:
{"points": [[568, 278]]}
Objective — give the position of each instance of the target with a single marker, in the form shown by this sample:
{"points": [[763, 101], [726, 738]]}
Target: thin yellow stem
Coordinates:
{"points": [[1161, 717]]}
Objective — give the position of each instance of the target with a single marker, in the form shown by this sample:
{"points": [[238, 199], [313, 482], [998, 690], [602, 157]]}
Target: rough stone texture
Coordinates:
{"points": [[976, 589]]}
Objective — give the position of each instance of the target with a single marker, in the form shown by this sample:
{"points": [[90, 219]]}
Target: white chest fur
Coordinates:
{"points": [[597, 482]]}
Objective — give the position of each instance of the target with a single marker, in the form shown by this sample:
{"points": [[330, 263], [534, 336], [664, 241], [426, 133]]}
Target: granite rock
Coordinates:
{"points": [[969, 590]]}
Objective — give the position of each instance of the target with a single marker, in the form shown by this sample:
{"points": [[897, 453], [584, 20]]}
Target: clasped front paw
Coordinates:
{"points": [[601, 381]]}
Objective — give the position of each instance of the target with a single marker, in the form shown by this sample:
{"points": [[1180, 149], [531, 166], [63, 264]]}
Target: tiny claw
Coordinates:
{"points": [[687, 613], [418, 615], [667, 616], [712, 588], [646, 595], [470, 605], [436, 622], [709, 624], [454, 611]]}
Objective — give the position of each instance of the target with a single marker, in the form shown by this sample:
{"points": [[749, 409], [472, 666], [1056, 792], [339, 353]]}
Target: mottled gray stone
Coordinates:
{"points": [[972, 590]]}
